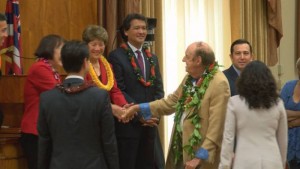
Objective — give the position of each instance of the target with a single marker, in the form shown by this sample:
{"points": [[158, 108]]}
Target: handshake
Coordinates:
{"points": [[126, 113]]}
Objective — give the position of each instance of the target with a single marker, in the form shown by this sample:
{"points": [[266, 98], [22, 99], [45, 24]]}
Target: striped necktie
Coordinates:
{"points": [[141, 62]]}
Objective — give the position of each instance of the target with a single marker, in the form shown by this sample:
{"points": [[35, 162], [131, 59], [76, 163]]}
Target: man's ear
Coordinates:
{"points": [[252, 56], [199, 60], [125, 33], [230, 55]]}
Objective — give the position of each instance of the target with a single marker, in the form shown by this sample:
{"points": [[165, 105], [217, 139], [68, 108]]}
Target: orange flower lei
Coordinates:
{"points": [[110, 78], [137, 70]]}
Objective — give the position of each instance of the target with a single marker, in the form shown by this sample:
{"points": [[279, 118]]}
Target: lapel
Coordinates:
{"points": [[233, 74], [232, 77]]}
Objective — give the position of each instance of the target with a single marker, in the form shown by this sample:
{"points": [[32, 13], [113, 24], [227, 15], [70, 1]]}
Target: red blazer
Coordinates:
{"points": [[116, 96], [40, 78]]}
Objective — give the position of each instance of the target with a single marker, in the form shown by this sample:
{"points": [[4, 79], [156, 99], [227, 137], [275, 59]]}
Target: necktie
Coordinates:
{"points": [[141, 63]]}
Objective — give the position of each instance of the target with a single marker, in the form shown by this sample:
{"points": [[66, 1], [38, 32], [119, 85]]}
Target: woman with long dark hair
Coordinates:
{"points": [[257, 119]]}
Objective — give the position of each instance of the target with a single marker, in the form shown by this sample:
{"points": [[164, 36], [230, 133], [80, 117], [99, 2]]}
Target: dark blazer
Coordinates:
{"points": [[136, 142], [231, 76], [132, 89], [76, 130]]}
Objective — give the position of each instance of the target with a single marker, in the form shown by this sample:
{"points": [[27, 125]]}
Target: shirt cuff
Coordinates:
{"points": [[202, 154], [145, 111]]}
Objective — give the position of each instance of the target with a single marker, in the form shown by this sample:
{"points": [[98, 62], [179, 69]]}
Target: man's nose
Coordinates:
{"points": [[242, 56], [5, 34], [98, 47], [142, 30]]}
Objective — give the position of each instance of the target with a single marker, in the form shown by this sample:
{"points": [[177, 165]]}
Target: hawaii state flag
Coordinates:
{"points": [[11, 49]]}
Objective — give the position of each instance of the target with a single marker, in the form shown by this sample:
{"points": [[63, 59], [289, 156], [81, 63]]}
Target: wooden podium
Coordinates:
{"points": [[11, 104]]}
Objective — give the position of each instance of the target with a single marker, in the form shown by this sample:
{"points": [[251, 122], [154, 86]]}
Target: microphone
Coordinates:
{"points": [[6, 50], [10, 50]]}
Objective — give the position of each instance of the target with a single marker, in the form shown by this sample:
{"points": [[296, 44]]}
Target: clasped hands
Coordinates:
{"points": [[128, 111], [293, 122], [293, 118]]}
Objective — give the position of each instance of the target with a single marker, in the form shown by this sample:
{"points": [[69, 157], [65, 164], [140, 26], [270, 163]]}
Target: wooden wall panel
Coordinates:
{"points": [[2, 5], [67, 18]]}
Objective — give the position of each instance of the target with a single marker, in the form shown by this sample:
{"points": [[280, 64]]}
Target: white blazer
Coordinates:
{"points": [[261, 136]]}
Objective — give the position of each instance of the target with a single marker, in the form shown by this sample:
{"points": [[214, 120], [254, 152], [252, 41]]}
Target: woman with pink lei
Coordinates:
{"points": [[42, 76]]}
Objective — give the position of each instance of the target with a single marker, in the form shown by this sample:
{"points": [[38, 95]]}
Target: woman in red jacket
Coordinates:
{"points": [[42, 76], [100, 71]]}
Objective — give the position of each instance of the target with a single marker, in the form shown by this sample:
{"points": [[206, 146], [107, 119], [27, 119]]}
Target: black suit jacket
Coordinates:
{"points": [[133, 90], [231, 76], [76, 130]]}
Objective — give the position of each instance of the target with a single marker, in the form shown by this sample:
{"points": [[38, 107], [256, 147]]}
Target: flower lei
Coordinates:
{"points": [[191, 99], [110, 81], [137, 70], [55, 73]]}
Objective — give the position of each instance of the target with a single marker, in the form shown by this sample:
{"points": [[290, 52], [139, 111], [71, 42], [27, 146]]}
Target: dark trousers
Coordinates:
{"points": [[158, 153], [137, 153], [29, 144]]}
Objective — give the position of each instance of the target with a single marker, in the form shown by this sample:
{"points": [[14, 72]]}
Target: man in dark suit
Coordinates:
{"points": [[137, 72], [75, 124], [240, 55]]}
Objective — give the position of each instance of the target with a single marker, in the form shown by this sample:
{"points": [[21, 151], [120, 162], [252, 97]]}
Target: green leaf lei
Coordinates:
{"points": [[191, 99]]}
